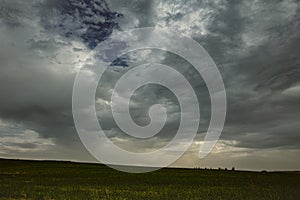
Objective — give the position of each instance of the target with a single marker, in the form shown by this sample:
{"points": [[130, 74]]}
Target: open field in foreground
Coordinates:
{"points": [[66, 180]]}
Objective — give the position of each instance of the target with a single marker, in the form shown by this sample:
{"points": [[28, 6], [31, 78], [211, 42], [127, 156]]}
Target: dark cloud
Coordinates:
{"points": [[91, 21], [254, 43]]}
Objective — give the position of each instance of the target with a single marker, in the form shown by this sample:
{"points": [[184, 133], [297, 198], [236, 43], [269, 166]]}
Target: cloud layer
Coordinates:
{"points": [[254, 43]]}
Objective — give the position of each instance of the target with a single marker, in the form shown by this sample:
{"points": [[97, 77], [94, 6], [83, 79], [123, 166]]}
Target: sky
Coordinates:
{"points": [[255, 44]]}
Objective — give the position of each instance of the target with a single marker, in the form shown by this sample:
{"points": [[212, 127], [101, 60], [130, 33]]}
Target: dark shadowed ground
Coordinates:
{"points": [[66, 180]]}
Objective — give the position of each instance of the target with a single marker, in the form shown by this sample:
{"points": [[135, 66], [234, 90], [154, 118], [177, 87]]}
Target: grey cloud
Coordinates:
{"points": [[89, 21], [136, 13], [35, 91], [254, 43]]}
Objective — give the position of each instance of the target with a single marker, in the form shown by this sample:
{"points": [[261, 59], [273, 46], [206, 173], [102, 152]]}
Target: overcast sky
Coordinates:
{"points": [[255, 44]]}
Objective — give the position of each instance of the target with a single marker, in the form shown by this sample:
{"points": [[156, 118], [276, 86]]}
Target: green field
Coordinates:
{"points": [[66, 180]]}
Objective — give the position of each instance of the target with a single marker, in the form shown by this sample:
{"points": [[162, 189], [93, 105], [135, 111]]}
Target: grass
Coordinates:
{"points": [[66, 180]]}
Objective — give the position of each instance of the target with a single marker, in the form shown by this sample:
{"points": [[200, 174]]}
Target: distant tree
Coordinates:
{"points": [[232, 169]]}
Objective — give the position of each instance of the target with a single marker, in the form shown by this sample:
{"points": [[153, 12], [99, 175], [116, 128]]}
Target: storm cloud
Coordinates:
{"points": [[255, 44]]}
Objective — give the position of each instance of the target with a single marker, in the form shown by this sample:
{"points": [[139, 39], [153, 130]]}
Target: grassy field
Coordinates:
{"points": [[66, 180]]}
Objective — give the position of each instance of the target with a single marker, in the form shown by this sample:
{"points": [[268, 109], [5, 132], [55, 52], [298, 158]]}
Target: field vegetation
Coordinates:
{"points": [[67, 180]]}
